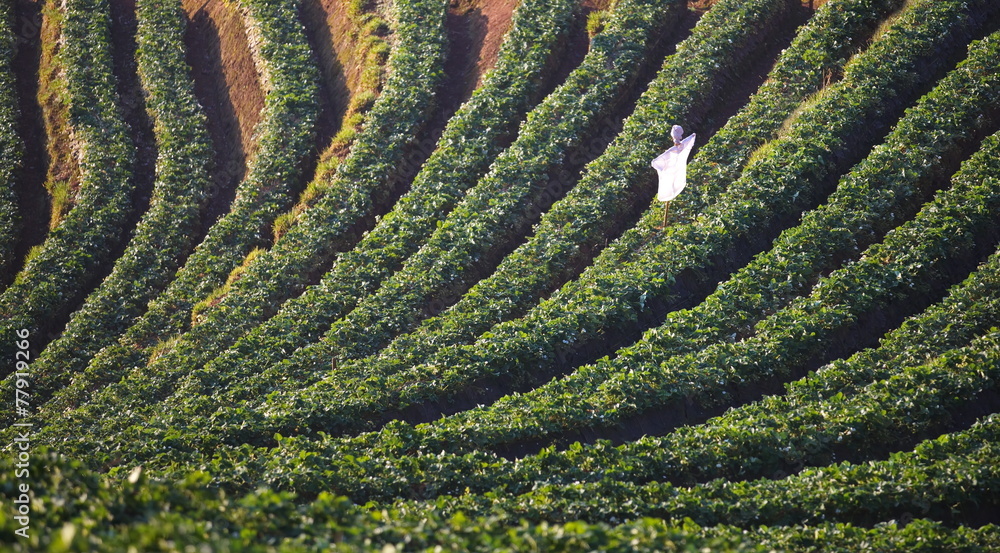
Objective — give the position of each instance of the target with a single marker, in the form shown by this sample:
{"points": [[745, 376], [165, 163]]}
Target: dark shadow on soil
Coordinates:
{"points": [[203, 53], [466, 33], [334, 95], [33, 201], [133, 103]]}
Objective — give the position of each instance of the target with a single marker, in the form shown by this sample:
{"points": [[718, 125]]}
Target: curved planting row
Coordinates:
{"points": [[879, 399], [296, 371], [137, 511], [517, 172], [164, 235], [10, 149], [819, 47], [782, 179], [852, 406], [367, 46], [576, 224], [942, 479], [396, 117], [284, 136], [696, 378], [72, 254], [867, 202], [472, 139]]}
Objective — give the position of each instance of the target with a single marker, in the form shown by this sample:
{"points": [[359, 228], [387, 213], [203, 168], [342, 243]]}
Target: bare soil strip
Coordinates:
{"points": [[33, 202], [227, 85], [334, 95], [62, 177], [133, 104], [476, 29]]}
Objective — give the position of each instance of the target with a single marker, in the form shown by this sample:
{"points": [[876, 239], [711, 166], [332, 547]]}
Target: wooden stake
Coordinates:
{"points": [[666, 212]]}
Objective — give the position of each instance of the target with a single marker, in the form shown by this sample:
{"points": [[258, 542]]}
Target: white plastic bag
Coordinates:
{"points": [[671, 166]]}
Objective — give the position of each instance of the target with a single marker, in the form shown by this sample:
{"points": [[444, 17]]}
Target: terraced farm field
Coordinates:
{"points": [[301, 275]]}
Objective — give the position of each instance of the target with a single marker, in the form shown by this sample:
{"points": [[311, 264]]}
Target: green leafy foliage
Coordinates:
{"points": [[954, 473], [608, 296], [282, 135], [462, 155], [81, 244], [165, 234], [805, 360], [519, 281], [87, 511]]}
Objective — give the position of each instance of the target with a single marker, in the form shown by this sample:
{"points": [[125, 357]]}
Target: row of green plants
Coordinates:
{"points": [[285, 136], [866, 203], [819, 48], [380, 464], [78, 510], [385, 137], [60, 271], [852, 405], [10, 148], [735, 37], [610, 185], [165, 234], [473, 138], [520, 170], [369, 34], [559, 123], [815, 60], [912, 386], [947, 479], [400, 111], [593, 205], [324, 305], [772, 185]]}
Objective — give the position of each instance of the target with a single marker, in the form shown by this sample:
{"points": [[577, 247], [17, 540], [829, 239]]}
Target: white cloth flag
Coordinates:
{"points": [[671, 166]]}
